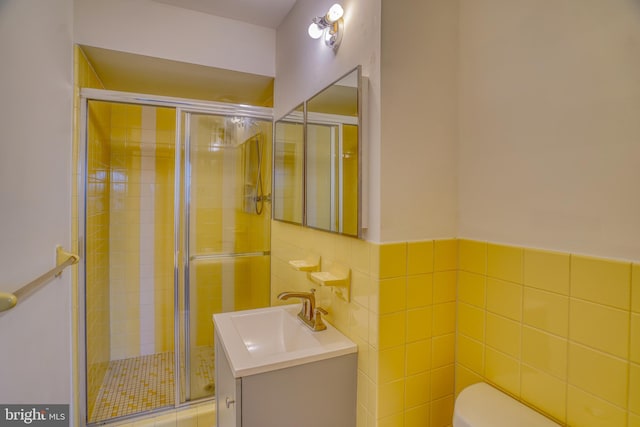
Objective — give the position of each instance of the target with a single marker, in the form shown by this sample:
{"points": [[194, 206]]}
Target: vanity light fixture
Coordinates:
{"points": [[330, 26]]}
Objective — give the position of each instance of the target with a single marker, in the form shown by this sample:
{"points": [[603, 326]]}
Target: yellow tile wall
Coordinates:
{"points": [[97, 266], [164, 228], [401, 315], [552, 329], [416, 283], [131, 141], [125, 170], [558, 331]]}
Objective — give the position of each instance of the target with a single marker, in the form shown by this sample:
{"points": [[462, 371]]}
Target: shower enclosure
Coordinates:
{"points": [[176, 228]]}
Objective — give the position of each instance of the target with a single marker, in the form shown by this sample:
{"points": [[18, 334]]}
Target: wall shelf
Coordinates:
{"points": [[309, 264]]}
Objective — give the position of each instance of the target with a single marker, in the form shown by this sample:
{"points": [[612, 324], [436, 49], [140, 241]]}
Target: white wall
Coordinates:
{"points": [[418, 170], [305, 66], [35, 196], [550, 124], [146, 27]]}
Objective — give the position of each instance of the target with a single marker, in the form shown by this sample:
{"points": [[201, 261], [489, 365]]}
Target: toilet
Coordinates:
{"points": [[481, 405]]}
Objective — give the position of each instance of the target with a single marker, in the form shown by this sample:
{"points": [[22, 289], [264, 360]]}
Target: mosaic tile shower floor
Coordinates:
{"points": [[146, 383]]}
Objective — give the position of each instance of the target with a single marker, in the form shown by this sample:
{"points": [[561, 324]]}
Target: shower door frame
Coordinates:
{"points": [[183, 107]]}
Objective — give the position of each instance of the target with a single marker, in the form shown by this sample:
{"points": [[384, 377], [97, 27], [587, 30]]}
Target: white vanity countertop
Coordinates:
{"points": [[266, 339]]}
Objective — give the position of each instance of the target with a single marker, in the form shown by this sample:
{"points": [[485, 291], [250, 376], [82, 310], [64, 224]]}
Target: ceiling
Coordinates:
{"points": [[266, 13]]}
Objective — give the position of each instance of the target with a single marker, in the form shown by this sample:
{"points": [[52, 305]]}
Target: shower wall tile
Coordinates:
{"points": [[97, 238], [125, 235], [163, 231]]}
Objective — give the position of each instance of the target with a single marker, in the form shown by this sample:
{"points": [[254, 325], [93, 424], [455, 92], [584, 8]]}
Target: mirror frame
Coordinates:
{"points": [[360, 230]]}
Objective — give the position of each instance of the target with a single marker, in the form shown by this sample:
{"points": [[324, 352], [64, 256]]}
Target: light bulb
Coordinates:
{"points": [[335, 13], [315, 32]]}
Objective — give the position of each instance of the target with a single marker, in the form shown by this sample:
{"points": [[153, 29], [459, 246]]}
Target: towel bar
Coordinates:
{"points": [[63, 260]]}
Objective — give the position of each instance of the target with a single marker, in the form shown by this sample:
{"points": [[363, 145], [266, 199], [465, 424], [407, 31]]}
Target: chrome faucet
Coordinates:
{"points": [[309, 313]]}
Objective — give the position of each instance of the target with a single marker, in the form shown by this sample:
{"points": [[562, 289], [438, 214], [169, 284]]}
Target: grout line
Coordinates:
{"points": [[568, 345], [520, 362]]}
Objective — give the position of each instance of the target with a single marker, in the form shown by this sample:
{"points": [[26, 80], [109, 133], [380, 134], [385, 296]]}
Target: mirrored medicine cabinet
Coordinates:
{"points": [[317, 160]]}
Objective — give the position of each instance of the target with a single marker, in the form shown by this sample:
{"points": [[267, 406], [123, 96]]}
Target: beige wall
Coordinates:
{"points": [[35, 184], [150, 28], [518, 125], [418, 167], [549, 130]]}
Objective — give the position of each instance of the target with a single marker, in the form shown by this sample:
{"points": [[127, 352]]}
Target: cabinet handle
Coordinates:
{"points": [[229, 402]]}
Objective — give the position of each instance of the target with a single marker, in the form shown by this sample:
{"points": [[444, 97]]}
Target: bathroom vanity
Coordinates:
{"points": [[273, 371]]}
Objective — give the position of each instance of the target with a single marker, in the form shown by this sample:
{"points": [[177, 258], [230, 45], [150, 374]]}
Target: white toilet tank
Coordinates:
{"points": [[481, 405]]}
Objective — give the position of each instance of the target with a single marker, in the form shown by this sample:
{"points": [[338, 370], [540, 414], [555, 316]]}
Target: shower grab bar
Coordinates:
{"points": [[63, 260], [204, 257]]}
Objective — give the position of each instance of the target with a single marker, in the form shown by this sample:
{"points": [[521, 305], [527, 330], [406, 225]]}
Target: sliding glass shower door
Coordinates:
{"points": [[176, 223], [227, 175]]}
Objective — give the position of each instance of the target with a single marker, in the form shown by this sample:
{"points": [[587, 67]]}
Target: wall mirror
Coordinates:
{"points": [[288, 167], [317, 160], [332, 166]]}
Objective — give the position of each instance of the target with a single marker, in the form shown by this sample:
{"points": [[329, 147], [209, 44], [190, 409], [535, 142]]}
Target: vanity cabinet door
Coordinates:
{"points": [[228, 391], [315, 394]]}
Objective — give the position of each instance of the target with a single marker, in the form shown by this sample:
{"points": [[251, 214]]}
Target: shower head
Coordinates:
{"points": [[237, 131]]}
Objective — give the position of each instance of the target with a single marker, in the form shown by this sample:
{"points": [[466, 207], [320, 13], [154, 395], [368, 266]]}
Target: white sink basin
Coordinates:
{"points": [[267, 339]]}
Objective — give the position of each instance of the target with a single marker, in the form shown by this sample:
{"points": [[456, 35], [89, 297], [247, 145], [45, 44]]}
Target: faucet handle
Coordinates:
{"points": [[318, 324]]}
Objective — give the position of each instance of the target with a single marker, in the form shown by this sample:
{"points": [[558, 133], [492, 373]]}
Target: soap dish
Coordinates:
{"points": [[326, 278], [338, 278], [310, 263]]}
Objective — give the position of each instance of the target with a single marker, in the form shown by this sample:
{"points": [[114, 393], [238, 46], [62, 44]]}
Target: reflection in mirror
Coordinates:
{"points": [[289, 167], [332, 160]]}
